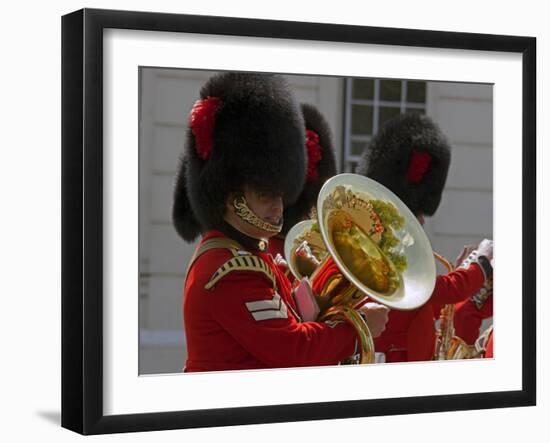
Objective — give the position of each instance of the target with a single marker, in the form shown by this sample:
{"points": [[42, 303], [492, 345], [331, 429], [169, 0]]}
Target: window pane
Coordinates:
{"points": [[357, 148], [361, 119], [363, 89], [416, 92], [390, 90], [387, 113], [391, 100]]}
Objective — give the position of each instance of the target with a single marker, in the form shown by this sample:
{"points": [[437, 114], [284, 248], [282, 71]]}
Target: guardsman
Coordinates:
{"points": [[244, 159], [411, 157], [321, 165], [469, 316]]}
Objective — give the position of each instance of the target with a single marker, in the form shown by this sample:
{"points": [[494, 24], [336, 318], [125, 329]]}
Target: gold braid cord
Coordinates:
{"points": [[214, 243], [444, 262], [246, 214], [241, 263]]}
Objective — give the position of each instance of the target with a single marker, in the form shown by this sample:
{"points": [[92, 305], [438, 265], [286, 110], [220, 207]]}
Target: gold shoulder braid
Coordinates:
{"points": [[241, 263], [214, 243]]}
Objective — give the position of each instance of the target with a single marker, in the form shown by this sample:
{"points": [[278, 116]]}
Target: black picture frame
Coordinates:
{"points": [[82, 219]]}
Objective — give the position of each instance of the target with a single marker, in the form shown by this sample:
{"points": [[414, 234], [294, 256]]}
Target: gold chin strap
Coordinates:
{"points": [[246, 214]]}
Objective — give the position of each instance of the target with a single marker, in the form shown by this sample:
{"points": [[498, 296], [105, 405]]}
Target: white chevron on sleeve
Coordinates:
{"points": [[268, 309]]}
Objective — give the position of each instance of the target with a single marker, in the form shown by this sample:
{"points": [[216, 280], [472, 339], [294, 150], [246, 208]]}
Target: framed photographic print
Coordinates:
{"points": [[129, 83]]}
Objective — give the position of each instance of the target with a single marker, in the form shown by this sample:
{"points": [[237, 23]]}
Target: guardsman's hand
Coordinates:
{"points": [[486, 248], [376, 317]]}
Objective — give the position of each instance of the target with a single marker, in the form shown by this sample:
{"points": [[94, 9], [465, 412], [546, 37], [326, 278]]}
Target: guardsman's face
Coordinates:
{"points": [[268, 207], [267, 213], [421, 219]]}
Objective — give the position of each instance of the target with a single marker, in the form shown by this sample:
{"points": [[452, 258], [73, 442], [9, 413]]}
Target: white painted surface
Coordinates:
{"points": [[464, 113]]}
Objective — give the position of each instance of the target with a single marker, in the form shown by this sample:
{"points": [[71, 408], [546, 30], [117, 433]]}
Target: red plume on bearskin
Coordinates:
{"points": [[201, 121], [313, 155], [418, 166], [245, 130], [410, 156]]}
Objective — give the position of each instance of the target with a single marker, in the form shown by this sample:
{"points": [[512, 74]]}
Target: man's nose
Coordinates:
{"points": [[278, 205]]}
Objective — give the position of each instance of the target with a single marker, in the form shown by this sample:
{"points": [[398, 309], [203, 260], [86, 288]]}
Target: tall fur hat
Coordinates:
{"points": [[411, 157], [244, 129], [321, 165]]}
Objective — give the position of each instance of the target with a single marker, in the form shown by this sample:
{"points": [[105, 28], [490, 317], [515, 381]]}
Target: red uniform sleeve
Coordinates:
{"points": [[247, 307], [468, 319], [456, 286]]}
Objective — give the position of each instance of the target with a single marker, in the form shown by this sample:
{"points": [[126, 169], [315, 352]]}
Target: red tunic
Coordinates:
{"points": [[468, 319], [277, 246], [410, 335], [243, 322]]}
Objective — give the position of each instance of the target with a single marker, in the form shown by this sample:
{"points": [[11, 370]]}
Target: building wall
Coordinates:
{"points": [[464, 113]]}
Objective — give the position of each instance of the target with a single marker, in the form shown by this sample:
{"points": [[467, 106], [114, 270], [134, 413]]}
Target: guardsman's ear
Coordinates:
{"points": [[229, 206]]}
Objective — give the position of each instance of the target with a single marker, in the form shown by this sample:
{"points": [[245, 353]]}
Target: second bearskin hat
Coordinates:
{"points": [[321, 165], [411, 157], [244, 129]]}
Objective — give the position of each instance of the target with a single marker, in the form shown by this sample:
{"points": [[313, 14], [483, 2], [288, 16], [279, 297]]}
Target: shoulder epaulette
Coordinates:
{"points": [[241, 263], [214, 243]]}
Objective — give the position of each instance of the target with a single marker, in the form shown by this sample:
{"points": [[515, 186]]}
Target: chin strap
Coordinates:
{"points": [[246, 214]]}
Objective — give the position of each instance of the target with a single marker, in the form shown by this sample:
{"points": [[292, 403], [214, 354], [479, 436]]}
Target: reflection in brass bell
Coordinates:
{"points": [[361, 255], [346, 208]]}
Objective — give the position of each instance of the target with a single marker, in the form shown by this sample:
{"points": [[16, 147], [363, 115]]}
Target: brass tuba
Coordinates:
{"points": [[365, 245]]}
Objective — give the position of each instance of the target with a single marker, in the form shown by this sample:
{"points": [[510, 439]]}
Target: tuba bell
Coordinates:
{"points": [[365, 245]]}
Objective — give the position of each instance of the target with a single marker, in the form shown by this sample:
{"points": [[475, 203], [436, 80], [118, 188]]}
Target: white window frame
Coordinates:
{"points": [[349, 160]]}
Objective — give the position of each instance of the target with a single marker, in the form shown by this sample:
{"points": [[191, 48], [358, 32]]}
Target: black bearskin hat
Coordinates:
{"points": [[321, 165], [183, 218], [411, 157], [244, 129]]}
